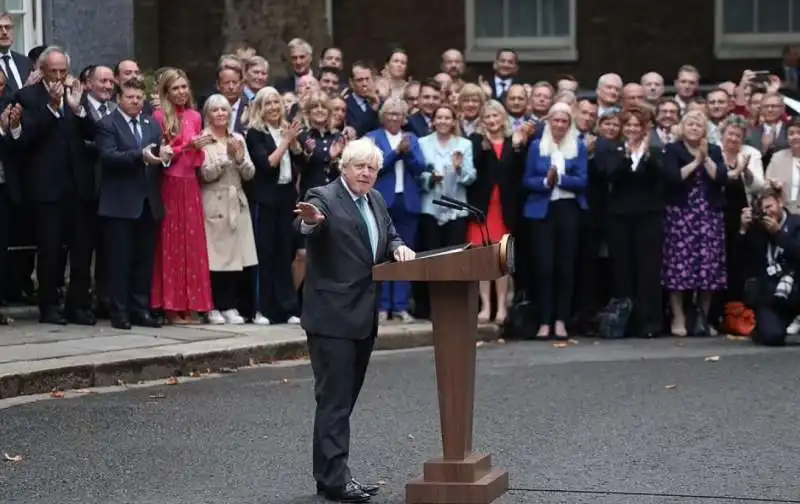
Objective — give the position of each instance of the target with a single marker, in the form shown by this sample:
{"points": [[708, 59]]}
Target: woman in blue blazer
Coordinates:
{"points": [[398, 182], [556, 177]]}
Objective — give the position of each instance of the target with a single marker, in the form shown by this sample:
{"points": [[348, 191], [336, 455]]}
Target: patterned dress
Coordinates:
{"points": [[694, 241], [181, 277]]}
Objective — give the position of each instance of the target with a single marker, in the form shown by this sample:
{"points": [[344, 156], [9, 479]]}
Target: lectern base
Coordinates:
{"points": [[468, 481]]}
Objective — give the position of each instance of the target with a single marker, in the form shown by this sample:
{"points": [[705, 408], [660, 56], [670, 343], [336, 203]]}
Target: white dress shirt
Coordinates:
{"points": [[557, 160], [636, 156], [234, 115], [96, 104], [501, 85], [13, 67], [399, 167], [285, 170]]}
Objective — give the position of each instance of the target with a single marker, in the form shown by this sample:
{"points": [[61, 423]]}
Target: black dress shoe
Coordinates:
{"points": [[144, 320], [4, 320], [52, 316], [81, 317], [350, 493], [120, 323], [368, 489]]}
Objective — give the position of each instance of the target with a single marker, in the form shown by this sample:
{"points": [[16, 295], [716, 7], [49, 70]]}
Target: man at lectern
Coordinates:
{"points": [[348, 230]]}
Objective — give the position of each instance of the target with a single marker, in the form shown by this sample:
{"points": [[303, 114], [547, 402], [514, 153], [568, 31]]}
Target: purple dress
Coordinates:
{"points": [[694, 242]]}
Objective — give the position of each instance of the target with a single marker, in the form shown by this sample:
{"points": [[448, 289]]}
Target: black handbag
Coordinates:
{"points": [[614, 318]]}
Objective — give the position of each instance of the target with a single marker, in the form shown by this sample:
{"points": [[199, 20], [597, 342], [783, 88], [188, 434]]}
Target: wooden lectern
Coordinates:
{"points": [[459, 476]]}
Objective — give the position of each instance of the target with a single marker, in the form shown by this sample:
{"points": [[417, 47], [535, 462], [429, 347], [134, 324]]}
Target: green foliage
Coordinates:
{"points": [[149, 82]]}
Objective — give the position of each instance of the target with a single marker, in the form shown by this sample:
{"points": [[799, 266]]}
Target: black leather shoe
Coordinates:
{"points": [[52, 316], [4, 320], [144, 320], [120, 323], [350, 493], [81, 317], [368, 489]]}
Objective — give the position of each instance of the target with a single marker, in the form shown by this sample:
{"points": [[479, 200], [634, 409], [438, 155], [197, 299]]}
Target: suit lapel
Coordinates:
{"points": [[125, 129], [352, 210]]}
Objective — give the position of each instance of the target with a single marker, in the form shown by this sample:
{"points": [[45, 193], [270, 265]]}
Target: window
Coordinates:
{"points": [[539, 30], [755, 28], [27, 23]]}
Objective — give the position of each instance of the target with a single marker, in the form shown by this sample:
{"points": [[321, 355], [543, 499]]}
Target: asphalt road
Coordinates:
{"points": [[593, 417]]}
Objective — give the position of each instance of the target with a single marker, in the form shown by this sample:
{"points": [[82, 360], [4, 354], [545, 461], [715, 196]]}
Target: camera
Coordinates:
{"points": [[756, 211], [785, 287]]}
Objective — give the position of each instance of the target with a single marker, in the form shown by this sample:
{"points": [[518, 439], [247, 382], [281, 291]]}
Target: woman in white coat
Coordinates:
{"points": [[229, 229]]}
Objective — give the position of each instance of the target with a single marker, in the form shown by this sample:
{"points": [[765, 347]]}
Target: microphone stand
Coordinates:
{"points": [[475, 211], [457, 205]]}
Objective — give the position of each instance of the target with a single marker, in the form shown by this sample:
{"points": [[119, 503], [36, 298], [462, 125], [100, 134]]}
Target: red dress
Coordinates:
{"points": [[181, 277], [494, 215]]}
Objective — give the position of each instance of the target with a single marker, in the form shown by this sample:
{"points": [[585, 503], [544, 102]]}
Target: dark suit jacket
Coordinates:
{"points": [[782, 142], [363, 121], [676, 156], [417, 124], [753, 244], [53, 149], [505, 173], [339, 295], [629, 191], [286, 84], [501, 98], [127, 182], [318, 169], [24, 67], [262, 188], [90, 151]]}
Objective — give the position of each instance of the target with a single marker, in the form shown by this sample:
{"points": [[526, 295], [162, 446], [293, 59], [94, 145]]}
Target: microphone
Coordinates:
{"points": [[457, 205], [466, 206]]}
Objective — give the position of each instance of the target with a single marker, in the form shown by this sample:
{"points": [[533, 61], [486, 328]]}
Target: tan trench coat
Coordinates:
{"points": [[229, 229]]}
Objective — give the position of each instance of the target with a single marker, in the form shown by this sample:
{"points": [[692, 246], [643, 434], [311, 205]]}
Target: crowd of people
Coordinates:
{"points": [[635, 213]]}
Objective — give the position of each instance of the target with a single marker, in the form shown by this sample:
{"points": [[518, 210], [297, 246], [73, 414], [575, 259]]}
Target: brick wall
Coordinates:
{"points": [[630, 37]]}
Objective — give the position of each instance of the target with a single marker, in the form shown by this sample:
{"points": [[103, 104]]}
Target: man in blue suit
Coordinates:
{"points": [[398, 183], [132, 159]]}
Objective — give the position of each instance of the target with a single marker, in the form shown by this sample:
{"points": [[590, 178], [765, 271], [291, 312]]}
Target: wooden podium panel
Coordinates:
{"points": [[459, 476]]}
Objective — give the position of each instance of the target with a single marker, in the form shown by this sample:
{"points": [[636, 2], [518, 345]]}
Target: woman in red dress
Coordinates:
{"points": [[181, 278], [498, 162]]}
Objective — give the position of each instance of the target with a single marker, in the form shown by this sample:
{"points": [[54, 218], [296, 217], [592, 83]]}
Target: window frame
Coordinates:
{"points": [[529, 49], [747, 46]]}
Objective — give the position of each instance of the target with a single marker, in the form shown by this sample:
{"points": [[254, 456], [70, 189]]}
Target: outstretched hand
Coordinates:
{"points": [[309, 213]]}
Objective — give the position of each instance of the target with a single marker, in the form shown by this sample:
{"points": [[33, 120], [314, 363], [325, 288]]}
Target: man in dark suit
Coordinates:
{"points": [[9, 119], [348, 230], [506, 66], [429, 99], [364, 102], [771, 135], [98, 102], [300, 54], [230, 84], [130, 203], [16, 67], [771, 242], [60, 184]]}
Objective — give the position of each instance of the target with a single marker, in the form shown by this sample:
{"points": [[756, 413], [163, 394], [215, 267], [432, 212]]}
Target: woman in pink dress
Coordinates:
{"points": [[181, 278]]}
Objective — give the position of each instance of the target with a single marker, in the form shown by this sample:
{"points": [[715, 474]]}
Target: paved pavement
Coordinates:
{"points": [[37, 358], [632, 416]]}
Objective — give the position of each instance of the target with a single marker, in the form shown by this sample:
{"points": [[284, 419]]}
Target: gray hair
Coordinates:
{"points": [[603, 80], [393, 104], [215, 101], [362, 150], [298, 43], [53, 49]]}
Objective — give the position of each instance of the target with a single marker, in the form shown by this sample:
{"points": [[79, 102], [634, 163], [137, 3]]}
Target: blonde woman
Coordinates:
{"points": [[470, 103], [498, 164], [229, 230], [322, 146], [274, 148], [694, 226], [556, 176], [181, 281]]}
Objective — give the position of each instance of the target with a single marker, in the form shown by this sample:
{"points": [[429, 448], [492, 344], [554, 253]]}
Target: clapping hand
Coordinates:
{"points": [[166, 153], [148, 157], [552, 176], [404, 254], [310, 144], [202, 140], [235, 150], [33, 78], [338, 147], [56, 93], [309, 213], [458, 161], [404, 145], [74, 90]]}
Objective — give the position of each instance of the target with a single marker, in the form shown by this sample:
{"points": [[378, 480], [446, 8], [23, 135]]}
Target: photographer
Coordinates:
{"points": [[770, 239]]}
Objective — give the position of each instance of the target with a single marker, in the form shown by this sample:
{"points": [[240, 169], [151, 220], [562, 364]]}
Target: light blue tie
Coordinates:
{"points": [[373, 233]]}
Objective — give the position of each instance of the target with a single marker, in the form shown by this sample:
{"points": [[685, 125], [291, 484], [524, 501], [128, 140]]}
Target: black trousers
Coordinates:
{"points": [[275, 292], [554, 250], [229, 287], [590, 274], [21, 263], [65, 223], [635, 249], [432, 236], [131, 247], [5, 219], [771, 326], [339, 367]]}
